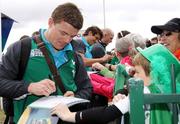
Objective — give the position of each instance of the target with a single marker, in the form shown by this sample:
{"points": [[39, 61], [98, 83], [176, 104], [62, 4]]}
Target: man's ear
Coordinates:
{"points": [[50, 22]]}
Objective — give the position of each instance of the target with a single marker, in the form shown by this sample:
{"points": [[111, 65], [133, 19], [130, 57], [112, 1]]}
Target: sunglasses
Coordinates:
{"points": [[167, 34]]}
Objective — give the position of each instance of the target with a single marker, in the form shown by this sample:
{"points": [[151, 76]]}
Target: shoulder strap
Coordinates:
{"points": [[24, 56], [51, 65]]}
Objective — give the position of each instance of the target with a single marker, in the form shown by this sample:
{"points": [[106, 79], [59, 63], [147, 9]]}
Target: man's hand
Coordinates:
{"points": [[69, 94], [43, 87], [107, 57]]}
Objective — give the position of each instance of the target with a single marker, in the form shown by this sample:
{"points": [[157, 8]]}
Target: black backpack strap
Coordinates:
{"points": [[8, 109], [24, 56], [25, 53], [50, 63]]}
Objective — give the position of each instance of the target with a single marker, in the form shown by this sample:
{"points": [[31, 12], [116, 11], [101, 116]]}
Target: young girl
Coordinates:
{"points": [[152, 65]]}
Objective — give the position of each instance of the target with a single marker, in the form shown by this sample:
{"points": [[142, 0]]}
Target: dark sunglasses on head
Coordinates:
{"points": [[166, 34]]}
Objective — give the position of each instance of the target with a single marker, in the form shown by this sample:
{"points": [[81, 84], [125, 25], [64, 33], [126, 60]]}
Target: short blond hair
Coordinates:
{"points": [[139, 59]]}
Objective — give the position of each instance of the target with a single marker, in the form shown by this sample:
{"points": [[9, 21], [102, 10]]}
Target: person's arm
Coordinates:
{"points": [[98, 50], [99, 115], [103, 115], [84, 87], [13, 88], [9, 68], [98, 66], [90, 61], [107, 73], [103, 70], [80, 48]]}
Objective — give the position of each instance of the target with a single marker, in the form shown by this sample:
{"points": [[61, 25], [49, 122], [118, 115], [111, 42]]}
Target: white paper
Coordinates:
{"points": [[51, 101]]}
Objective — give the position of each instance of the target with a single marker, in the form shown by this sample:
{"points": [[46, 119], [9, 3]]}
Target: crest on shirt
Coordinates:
{"points": [[36, 52]]}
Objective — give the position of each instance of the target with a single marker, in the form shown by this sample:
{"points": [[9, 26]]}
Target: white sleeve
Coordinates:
{"points": [[146, 90], [123, 105]]}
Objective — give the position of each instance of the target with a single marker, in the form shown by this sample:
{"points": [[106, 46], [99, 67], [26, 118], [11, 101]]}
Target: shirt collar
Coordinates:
{"points": [[85, 41]]}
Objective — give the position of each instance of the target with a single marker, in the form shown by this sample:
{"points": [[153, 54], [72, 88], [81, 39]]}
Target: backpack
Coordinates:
{"points": [[8, 102]]}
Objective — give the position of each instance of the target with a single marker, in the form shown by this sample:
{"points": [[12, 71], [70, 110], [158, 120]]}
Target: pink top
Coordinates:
{"points": [[127, 60]]}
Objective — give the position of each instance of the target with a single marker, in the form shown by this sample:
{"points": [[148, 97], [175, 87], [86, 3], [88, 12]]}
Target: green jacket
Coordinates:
{"points": [[121, 78], [159, 113], [107, 73]]}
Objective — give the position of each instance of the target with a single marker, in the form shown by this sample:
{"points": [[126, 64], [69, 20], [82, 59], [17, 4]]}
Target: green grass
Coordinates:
{"points": [[2, 117]]}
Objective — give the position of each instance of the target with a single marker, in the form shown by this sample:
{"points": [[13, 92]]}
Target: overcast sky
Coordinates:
{"points": [[136, 16]]}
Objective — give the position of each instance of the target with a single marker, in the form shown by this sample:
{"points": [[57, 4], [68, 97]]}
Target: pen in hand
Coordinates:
{"points": [[55, 93], [50, 77]]}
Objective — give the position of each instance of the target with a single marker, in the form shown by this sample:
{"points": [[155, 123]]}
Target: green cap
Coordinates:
{"points": [[161, 60]]}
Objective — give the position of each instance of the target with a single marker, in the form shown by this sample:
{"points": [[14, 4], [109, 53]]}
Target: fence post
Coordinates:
{"points": [[136, 101]]}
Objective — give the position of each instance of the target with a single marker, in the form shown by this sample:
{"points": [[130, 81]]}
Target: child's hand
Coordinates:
{"points": [[118, 97], [97, 66], [129, 69], [63, 112]]}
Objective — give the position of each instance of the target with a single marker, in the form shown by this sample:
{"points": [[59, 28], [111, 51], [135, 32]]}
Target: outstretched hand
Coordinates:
{"points": [[118, 97], [97, 66], [63, 112]]}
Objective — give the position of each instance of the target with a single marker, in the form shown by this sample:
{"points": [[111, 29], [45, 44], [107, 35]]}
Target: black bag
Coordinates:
{"points": [[8, 102]]}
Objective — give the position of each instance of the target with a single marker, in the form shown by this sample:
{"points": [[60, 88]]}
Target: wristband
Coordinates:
{"points": [[110, 69]]}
